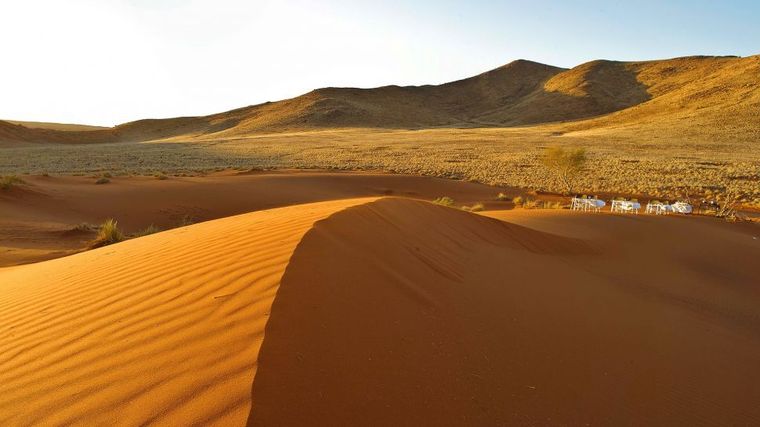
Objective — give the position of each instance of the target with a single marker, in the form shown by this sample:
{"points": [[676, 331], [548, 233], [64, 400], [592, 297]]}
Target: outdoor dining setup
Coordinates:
{"points": [[621, 205], [625, 206], [659, 208], [587, 204]]}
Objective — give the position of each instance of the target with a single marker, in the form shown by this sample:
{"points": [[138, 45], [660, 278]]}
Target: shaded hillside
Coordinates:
{"points": [[719, 92], [588, 90], [141, 130], [695, 94]]}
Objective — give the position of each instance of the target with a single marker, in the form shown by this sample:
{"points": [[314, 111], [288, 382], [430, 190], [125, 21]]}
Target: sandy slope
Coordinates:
{"points": [[162, 329], [37, 221], [409, 314], [392, 312]]}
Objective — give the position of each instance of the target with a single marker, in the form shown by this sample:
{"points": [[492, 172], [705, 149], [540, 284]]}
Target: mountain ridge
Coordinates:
{"points": [[595, 94]]}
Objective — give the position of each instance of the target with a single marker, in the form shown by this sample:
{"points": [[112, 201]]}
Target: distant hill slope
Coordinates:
{"points": [[690, 95], [722, 92], [55, 126]]}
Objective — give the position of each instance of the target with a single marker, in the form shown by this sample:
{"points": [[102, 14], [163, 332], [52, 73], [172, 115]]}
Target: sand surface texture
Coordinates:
{"points": [[162, 329], [391, 312], [39, 220]]}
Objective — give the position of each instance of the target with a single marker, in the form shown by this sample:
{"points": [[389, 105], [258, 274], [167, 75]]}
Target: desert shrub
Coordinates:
{"points": [[565, 164], [729, 201], [477, 207], [502, 197], [107, 175], [553, 205], [518, 201], [444, 201], [108, 234], [103, 180], [151, 229], [160, 176], [9, 181], [186, 220], [530, 204]]}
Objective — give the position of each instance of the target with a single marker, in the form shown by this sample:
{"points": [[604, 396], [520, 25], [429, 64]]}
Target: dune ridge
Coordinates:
{"points": [[162, 329]]}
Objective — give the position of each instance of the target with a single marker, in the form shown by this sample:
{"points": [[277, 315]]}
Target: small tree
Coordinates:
{"points": [[565, 164]]}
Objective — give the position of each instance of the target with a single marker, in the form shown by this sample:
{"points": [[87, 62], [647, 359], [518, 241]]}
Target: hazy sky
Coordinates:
{"points": [[110, 61]]}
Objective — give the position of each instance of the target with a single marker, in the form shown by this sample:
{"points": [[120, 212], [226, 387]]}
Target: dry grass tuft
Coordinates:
{"points": [[102, 181], [444, 201], [729, 201], [186, 220], [477, 207], [502, 197], [552, 205], [9, 181], [108, 234], [151, 229]]}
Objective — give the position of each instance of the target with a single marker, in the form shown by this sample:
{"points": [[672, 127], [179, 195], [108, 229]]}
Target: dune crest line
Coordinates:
{"points": [[406, 313]]}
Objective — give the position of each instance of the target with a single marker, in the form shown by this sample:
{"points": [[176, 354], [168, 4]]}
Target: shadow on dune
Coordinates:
{"points": [[404, 313], [371, 316]]}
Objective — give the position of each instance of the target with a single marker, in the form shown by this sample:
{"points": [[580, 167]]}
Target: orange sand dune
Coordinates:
{"points": [[164, 328], [403, 313], [391, 312], [37, 222]]}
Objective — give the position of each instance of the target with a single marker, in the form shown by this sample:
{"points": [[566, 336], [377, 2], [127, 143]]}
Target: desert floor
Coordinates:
{"points": [[337, 298], [625, 161]]}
